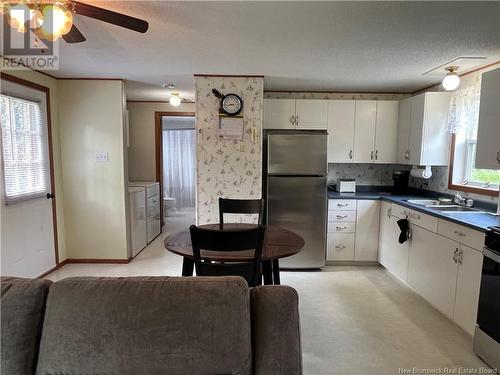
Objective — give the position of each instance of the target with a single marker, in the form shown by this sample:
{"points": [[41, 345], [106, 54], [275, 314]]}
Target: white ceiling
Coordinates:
{"points": [[309, 46]]}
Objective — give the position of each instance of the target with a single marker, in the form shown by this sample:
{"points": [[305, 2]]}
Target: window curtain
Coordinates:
{"points": [[179, 147], [463, 113]]}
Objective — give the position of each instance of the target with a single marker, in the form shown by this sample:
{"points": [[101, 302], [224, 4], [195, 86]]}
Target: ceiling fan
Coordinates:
{"points": [[53, 19]]}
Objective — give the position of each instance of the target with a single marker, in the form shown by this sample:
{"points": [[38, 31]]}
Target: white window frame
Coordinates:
{"points": [[34, 96]]}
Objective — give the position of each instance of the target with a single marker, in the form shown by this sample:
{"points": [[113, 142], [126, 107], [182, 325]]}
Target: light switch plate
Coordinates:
{"points": [[101, 157]]}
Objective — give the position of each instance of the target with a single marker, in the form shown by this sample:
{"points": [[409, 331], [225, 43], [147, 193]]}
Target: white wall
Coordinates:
{"points": [[52, 84], [141, 152], [95, 194]]}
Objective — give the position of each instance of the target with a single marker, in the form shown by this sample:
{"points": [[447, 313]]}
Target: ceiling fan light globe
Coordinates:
{"points": [[56, 21], [451, 81], [175, 100], [18, 15]]}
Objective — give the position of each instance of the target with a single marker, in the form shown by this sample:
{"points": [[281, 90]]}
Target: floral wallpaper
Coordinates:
{"points": [[333, 95], [227, 168]]}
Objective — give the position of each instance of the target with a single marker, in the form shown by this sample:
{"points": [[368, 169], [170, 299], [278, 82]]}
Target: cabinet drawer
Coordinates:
{"points": [[415, 217], [341, 227], [342, 205], [462, 234], [340, 246], [342, 216]]}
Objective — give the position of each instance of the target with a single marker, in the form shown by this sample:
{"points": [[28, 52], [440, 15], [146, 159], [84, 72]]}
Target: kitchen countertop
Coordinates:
{"points": [[478, 221]]}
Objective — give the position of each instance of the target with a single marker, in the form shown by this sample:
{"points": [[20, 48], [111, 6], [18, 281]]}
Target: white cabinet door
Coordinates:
{"points": [[278, 113], [468, 283], [432, 272], [488, 132], [340, 130], [311, 114], [364, 131], [403, 130], [386, 133], [367, 222], [416, 128], [391, 254]]}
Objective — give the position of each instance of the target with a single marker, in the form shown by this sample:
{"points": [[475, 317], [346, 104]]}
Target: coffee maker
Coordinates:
{"points": [[400, 179]]}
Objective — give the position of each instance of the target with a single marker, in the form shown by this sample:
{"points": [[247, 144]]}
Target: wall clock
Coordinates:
{"points": [[230, 104]]}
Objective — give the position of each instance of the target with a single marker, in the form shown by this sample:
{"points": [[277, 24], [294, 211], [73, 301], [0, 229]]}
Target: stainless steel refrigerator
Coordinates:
{"points": [[295, 189]]}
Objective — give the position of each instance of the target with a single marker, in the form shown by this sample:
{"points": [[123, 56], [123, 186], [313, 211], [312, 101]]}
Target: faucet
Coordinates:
{"points": [[458, 199]]}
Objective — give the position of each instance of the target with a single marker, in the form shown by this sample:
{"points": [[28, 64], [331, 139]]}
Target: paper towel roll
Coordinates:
{"points": [[422, 172]]}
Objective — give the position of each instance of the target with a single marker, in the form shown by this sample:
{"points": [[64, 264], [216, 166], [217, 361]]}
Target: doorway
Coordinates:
{"points": [[177, 169], [28, 230]]}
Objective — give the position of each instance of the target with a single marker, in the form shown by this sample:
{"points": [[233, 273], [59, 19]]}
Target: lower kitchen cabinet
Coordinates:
{"points": [[391, 254], [468, 283], [432, 269], [340, 246], [367, 221]]}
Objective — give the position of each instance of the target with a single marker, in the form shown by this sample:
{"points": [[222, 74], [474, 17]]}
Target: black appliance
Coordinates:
{"points": [[400, 179], [487, 333]]}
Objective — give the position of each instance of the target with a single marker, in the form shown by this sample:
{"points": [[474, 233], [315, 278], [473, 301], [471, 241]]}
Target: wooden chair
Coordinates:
{"points": [[240, 206], [210, 240]]}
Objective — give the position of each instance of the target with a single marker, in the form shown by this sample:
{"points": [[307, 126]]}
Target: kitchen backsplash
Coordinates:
{"points": [[364, 174]]}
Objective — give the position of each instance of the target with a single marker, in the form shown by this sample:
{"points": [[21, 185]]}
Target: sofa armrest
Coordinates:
{"points": [[275, 330]]}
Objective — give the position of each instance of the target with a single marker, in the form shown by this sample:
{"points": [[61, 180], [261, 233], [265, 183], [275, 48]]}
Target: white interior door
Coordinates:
{"points": [[27, 232]]}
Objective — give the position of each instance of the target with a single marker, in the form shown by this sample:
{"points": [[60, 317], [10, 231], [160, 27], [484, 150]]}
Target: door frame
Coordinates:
{"points": [[159, 152], [45, 90]]}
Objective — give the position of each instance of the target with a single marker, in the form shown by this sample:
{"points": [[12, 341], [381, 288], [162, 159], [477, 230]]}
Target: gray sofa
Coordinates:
{"points": [[148, 325]]}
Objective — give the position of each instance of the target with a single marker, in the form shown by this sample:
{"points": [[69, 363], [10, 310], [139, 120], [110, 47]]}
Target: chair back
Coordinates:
{"points": [[230, 241], [240, 206]]}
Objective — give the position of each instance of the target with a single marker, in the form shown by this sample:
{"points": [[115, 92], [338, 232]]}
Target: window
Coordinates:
{"points": [[24, 157], [462, 122]]}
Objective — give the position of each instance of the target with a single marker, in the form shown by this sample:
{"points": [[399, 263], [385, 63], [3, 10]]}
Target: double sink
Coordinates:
{"points": [[445, 208]]}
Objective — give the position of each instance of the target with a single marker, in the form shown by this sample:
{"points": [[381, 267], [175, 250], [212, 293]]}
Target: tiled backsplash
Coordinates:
{"points": [[364, 174]]}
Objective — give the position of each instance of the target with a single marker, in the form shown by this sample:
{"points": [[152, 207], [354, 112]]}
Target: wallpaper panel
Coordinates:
{"points": [[222, 169]]}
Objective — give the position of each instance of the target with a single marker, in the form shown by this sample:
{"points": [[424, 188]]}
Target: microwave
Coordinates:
{"points": [[346, 186]]}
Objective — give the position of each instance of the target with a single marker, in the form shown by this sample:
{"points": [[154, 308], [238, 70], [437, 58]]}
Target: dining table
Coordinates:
{"points": [[278, 243]]}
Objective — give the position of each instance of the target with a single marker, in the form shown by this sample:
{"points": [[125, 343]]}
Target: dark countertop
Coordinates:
{"points": [[478, 221]]}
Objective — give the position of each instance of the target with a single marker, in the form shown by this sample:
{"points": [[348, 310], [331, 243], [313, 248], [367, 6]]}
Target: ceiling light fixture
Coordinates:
{"points": [[451, 80], [175, 99], [169, 86]]}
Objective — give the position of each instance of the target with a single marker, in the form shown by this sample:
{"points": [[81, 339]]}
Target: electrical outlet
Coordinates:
{"points": [[101, 157]]}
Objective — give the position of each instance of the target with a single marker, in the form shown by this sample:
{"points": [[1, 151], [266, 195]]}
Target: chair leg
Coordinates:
{"points": [[276, 271], [187, 267], [267, 272]]}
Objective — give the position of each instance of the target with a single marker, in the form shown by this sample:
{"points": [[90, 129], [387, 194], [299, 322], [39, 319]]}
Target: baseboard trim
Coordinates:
{"points": [[55, 268], [113, 261], [351, 263]]}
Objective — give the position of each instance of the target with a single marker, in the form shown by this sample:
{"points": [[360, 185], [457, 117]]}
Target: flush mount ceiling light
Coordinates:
{"points": [[175, 99], [451, 80], [169, 86]]}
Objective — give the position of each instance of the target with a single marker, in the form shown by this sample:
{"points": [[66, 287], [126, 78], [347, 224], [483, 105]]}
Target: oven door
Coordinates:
{"points": [[488, 316]]}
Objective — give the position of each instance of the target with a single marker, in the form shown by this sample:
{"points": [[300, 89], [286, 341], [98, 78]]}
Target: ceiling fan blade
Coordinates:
{"points": [[74, 36], [109, 16]]}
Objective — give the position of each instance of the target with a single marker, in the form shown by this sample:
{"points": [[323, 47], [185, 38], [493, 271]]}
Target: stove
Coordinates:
{"points": [[487, 334]]}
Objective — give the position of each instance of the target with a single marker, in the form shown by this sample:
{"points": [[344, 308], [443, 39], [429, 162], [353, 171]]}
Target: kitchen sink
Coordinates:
{"points": [[453, 208], [423, 202]]}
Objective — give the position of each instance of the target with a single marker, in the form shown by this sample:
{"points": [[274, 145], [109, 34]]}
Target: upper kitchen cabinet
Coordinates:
{"points": [[311, 114], [279, 114], [488, 133], [295, 114], [386, 132], [422, 129], [341, 130], [364, 131]]}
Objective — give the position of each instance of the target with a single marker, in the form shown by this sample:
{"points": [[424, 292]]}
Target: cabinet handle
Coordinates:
{"points": [[341, 216], [455, 255], [498, 156], [292, 119], [389, 212], [371, 156], [376, 154], [408, 155], [341, 228], [296, 120], [461, 256], [340, 247], [350, 154], [342, 204]]}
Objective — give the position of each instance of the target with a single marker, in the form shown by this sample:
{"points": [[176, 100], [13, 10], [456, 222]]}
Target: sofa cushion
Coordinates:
{"points": [[22, 309], [147, 325], [276, 330]]}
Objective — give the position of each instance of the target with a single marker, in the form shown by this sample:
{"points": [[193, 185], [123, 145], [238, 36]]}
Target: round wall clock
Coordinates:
{"points": [[231, 104]]}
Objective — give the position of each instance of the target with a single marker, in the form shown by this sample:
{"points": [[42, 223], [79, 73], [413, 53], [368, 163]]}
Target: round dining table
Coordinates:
{"points": [[278, 243]]}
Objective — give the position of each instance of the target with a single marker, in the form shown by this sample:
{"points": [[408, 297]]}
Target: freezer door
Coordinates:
{"points": [[297, 154], [299, 204]]}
